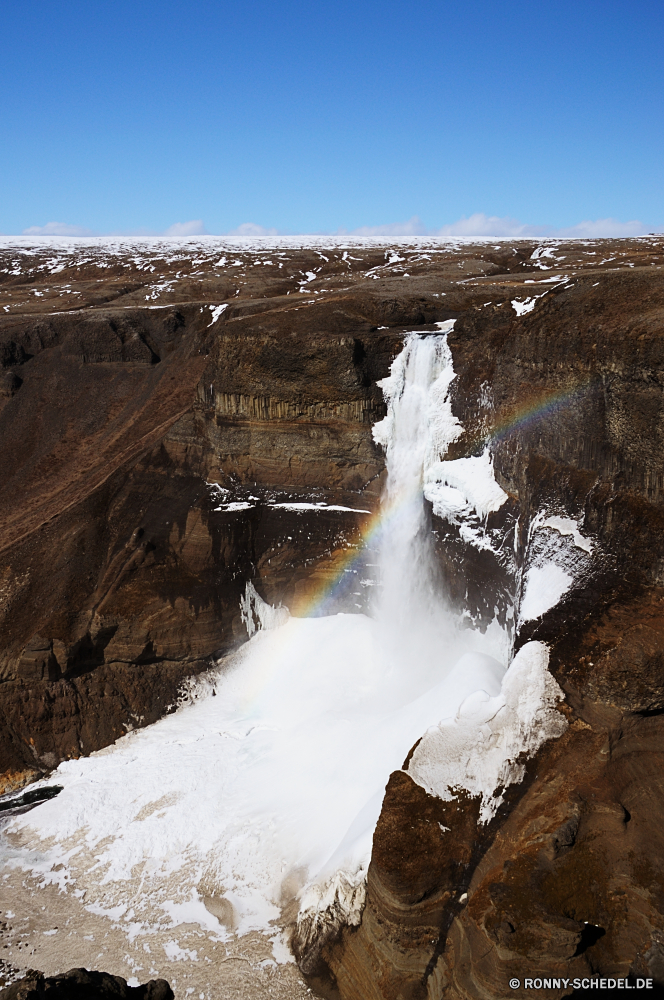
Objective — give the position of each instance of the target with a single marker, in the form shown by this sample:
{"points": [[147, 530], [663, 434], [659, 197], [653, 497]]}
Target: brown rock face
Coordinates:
{"points": [[147, 438], [423, 850], [570, 885]]}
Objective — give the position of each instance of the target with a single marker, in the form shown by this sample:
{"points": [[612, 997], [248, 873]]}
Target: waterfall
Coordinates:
{"points": [[416, 625]]}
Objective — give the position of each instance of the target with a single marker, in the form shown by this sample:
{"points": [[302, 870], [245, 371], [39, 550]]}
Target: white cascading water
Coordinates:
{"points": [[264, 789], [416, 625]]}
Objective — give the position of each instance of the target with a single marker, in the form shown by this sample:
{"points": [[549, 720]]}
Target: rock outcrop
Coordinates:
{"points": [[79, 984], [154, 445]]}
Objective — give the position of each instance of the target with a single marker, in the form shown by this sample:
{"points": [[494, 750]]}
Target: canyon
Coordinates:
{"points": [[189, 448]]}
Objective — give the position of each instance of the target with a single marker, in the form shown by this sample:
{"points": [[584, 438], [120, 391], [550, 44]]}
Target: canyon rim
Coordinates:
{"points": [[332, 613]]}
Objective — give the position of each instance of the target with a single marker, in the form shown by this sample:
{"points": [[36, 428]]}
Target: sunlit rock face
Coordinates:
{"points": [[178, 474]]}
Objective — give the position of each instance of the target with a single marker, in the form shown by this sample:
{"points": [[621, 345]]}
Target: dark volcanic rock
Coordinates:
{"points": [[571, 883], [79, 984]]}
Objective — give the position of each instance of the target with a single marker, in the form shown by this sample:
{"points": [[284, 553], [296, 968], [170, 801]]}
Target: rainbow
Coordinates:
{"points": [[341, 575], [537, 409], [346, 565]]}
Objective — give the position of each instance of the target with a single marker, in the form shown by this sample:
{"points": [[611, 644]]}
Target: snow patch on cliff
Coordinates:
{"points": [[558, 556], [216, 312], [543, 587], [302, 506], [464, 492], [523, 306], [566, 526]]}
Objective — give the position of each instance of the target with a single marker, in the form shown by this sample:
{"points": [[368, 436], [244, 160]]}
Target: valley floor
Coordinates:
{"points": [[56, 932]]}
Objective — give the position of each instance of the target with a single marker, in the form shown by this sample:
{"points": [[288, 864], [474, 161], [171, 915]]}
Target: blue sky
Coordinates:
{"points": [[325, 116]]}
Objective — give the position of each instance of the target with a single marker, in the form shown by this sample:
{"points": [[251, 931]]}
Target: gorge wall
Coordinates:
{"points": [[181, 419]]}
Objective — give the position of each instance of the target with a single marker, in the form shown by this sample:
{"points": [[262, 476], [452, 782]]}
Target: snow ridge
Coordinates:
{"points": [[482, 749]]}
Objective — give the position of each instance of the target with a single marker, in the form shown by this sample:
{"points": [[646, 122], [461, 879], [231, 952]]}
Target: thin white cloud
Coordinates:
{"points": [[601, 228], [250, 229], [477, 226], [194, 227], [481, 226], [58, 229], [390, 231]]}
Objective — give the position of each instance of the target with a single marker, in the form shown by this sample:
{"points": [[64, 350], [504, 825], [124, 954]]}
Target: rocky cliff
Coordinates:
{"points": [[180, 420]]}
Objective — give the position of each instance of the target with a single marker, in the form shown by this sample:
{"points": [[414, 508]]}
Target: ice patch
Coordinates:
{"points": [[318, 506], [155, 290], [325, 909], [547, 281], [544, 586], [220, 493], [280, 950], [217, 491], [112, 912], [216, 313], [542, 251], [473, 481], [523, 306], [194, 911], [310, 275], [258, 614], [178, 954], [555, 559], [566, 526]]}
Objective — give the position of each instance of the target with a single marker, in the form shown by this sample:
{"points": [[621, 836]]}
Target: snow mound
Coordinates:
{"points": [[482, 749]]}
